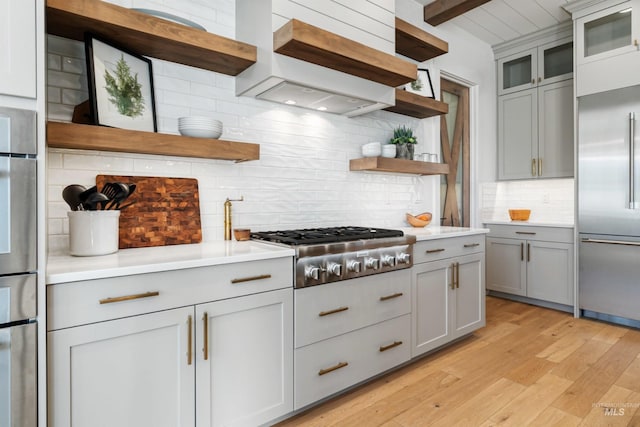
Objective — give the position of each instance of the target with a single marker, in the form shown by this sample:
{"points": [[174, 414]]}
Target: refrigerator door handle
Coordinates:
{"points": [[632, 161], [611, 242]]}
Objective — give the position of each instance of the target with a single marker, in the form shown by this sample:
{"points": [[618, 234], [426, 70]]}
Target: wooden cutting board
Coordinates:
{"points": [[166, 211]]}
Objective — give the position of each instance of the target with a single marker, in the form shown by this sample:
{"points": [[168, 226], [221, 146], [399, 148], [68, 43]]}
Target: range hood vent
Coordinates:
{"points": [[303, 65]]}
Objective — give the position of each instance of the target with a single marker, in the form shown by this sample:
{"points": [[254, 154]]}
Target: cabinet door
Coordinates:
{"points": [[18, 48], [244, 362], [517, 135], [517, 72], [431, 306], [128, 372], [550, 271], [607, 49], [555, 61], [469, 295], [506, 268], [555, 134]]}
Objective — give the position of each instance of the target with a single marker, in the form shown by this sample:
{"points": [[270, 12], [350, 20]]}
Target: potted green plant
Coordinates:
{"points": [[405, 141]]}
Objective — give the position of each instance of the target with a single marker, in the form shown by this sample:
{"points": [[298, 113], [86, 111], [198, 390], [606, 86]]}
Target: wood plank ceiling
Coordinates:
{"points": [[498, 21]]}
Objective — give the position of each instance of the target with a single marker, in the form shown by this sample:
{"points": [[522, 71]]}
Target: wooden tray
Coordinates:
{"points": [[166, 211]]}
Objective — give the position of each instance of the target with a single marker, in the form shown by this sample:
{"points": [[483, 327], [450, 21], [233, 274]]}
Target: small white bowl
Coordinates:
{"points": [[372, 149], [389, 150], [200, 133]]}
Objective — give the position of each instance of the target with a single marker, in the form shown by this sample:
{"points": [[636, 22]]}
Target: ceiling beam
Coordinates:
{"points": [[443, 10]]}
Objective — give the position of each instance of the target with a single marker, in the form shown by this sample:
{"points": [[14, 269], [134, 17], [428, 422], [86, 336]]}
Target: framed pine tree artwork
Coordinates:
{"points": [[120, 86]]}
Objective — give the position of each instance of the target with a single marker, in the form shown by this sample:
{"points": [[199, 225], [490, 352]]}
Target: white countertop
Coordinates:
{"points": [[67, 268], [431, 232], [530, 224]]}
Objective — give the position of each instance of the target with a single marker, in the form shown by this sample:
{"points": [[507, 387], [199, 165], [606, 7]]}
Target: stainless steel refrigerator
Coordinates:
{"points": [[609, 205]]}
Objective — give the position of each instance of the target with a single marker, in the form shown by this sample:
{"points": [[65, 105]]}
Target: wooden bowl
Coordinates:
{"points": [[420, 220], [241, 234], [519, 214]]}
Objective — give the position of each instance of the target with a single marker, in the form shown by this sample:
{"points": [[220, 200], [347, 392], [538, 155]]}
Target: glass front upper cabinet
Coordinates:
{"points": [[545, 64], [609, 32]]}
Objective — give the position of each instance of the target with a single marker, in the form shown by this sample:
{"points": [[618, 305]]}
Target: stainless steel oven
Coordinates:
{"points": [[18, 366]]}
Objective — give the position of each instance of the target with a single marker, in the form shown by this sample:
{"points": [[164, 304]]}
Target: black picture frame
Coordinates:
{"points": [[120, 84], [422, 85]]}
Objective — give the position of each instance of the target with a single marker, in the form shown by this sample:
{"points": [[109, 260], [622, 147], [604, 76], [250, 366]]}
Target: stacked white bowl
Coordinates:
{"points": [[200, 127]]}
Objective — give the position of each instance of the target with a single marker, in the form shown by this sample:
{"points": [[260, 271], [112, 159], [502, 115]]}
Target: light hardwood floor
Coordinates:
{"points": [[529, 366]]}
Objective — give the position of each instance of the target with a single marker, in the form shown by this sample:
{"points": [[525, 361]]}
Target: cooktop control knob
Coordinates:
{"points": [[371, 263], [311, 272], [388, 260], [403, 258], [334, 269], [354, 266]]}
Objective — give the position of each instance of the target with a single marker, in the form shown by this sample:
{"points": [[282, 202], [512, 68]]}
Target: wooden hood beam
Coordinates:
{"points": [[443, 10]]}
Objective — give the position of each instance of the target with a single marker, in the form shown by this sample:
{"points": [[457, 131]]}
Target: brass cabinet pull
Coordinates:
{"points": [[433, 251], [205, 324], [388, 297], [471, 245], [528, 233], [250, 279], [390, 346], [189, 340], [457, 275], [129, 297], [528, 252], [334, 311], [533, 167], [539, 166], [333, 368], [539, 79], [533, 81], [453, 276], [521, 251]]}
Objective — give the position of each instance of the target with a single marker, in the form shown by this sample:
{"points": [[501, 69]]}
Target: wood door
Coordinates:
{"points": [[454, 139]]}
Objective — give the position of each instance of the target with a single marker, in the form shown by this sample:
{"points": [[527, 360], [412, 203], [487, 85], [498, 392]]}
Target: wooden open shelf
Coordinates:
{"points": [[385, 164], [414, 105], [89, 137], [416, 43], [148, 35], [312, 44]]}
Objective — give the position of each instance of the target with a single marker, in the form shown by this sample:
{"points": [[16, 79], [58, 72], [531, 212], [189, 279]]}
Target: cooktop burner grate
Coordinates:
{"points": [[324, 235]]}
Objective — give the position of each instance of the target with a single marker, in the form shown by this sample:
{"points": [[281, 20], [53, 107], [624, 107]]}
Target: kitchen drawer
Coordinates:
{"points": [[329, 366], [79, 303], [328, 310], [437, 249], [547, 234]]}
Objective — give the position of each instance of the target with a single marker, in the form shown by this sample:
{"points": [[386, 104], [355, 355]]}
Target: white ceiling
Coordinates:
{"points": [[502, 20]]}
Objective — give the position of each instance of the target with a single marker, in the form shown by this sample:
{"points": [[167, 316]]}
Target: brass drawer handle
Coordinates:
{"points": [[129, 297], [333, 368], [334, 311], [390, 346], [252, 278], [433, 251], [388, 297], [471, 245], [529, 233]]}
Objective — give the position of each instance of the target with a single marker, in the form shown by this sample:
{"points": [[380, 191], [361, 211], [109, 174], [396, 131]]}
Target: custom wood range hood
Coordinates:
{"points": [[304, 65]]}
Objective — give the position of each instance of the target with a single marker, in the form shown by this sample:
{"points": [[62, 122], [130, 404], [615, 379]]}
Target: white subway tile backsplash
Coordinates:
{"points": [[54, 62]]}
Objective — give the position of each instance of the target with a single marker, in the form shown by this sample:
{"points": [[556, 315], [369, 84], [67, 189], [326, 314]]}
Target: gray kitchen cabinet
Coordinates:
{"points": [[607, 54], [535, 132], [18, 48], [170, 348], [532, 262], [448, 287], [535, 106]]}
